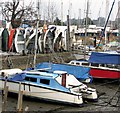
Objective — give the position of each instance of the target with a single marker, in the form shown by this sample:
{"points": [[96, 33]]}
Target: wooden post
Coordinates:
{"points": [[20, 99], [5, 94], [68, 34]]}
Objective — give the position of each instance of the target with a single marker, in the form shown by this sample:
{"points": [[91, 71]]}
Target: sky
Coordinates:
{"points": [[77, 8]]}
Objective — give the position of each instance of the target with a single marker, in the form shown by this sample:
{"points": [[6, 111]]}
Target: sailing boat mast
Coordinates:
{"points": [[106, 13], [61, 13], [86, 27], [36, 37], [103, 32], [119, 17], [79, 19]]}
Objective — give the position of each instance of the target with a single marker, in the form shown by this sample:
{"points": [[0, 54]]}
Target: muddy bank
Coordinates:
{"points": [[108, 101], [19, 61]]}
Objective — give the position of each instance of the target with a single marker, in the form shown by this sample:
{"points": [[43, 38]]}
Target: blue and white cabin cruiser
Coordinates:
{"points": [[58, 86]]}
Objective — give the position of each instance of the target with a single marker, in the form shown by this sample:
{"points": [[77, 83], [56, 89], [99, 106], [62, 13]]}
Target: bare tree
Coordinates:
{"points": [[53, 12], [50, 12], [15, 11]]}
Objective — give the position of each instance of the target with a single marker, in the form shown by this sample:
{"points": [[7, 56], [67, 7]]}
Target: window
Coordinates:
{"points": [[31, 79], [72, 62], [45, 81], [94, 64], [113, 66], [77, 63], [85, 64], [102, 65]]}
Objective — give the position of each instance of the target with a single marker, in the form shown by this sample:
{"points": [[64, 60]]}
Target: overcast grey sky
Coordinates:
{"points": [[97, 8]]}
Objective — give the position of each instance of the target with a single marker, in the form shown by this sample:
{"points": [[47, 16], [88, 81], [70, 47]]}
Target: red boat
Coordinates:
{"points": [[102, 65], [105, 73]]}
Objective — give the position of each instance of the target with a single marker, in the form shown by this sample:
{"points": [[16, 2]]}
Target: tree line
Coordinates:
{"points": [[16, 13]]}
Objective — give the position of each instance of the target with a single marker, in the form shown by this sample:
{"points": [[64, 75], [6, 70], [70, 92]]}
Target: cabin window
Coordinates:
{"points": [[102, 65], [85, 64], [118, 66], [113, 66], [94, 64], [72, 62], [77, 63], [45, 81], [31, 79]]}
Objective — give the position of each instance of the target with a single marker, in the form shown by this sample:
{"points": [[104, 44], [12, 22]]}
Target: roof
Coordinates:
{"points": [[38, 73], [79, 72]]}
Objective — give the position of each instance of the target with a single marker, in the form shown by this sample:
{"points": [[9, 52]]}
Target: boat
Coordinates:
{"points": [[55, 38], [30, 41], [58, 86], [80, 72], [11, 37], [102, 65], [9, 72], [4, 39], [19, 41], [108, 63]]}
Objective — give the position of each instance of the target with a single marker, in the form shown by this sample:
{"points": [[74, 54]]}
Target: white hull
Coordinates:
{"points": [[19, 41], [44, 93], [9, 72], [40, 43]]}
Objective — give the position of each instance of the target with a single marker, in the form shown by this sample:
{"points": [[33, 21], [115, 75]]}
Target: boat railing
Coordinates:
{"points": [[96, 65]]}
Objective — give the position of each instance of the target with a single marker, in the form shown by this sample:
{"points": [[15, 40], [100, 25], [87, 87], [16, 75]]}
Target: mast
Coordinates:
{"points": [[86, 27], [119, 18], [103, 31], [49, 11], [36, 37], [106, 13], [61, 13], [79, 19], [70, 11]]}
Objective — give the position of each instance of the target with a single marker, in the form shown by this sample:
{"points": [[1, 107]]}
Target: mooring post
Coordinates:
{"points": [[5, 94], [20, 99]]}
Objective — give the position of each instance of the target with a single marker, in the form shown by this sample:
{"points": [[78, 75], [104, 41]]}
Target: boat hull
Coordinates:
{"points": [[43, 93], [19, 42], [4, 41], [104, 73]]}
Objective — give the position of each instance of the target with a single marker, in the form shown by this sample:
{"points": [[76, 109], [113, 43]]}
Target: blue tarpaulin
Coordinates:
{"points": [[104, 58], [81, 73], [18, 77]]}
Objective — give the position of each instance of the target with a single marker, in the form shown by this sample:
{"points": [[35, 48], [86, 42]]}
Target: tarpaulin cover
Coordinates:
{"points": [[79, 72], [104, 58]]}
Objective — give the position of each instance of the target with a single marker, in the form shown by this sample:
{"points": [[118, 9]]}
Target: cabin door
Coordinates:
{"points": [[64, 79]]}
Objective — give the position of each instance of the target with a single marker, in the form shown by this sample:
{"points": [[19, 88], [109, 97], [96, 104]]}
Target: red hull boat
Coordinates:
{"points": [[104, 73], [102, 65]]}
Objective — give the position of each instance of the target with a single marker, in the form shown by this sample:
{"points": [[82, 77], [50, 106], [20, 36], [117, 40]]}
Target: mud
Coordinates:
{"points": [[108, 100], [108, 92]]}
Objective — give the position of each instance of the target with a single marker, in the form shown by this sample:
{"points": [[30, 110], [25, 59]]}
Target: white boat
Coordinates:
{"points": [[19, 41], [57, 87], [30, 42], [9, 72]]}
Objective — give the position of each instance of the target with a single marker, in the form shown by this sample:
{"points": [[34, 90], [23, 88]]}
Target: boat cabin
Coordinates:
{"points": [[59, 80]]}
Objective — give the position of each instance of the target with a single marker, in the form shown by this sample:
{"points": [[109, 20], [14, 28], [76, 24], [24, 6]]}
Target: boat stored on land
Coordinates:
{"points": [[102, 65], [58, 86], [80, 72]]}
